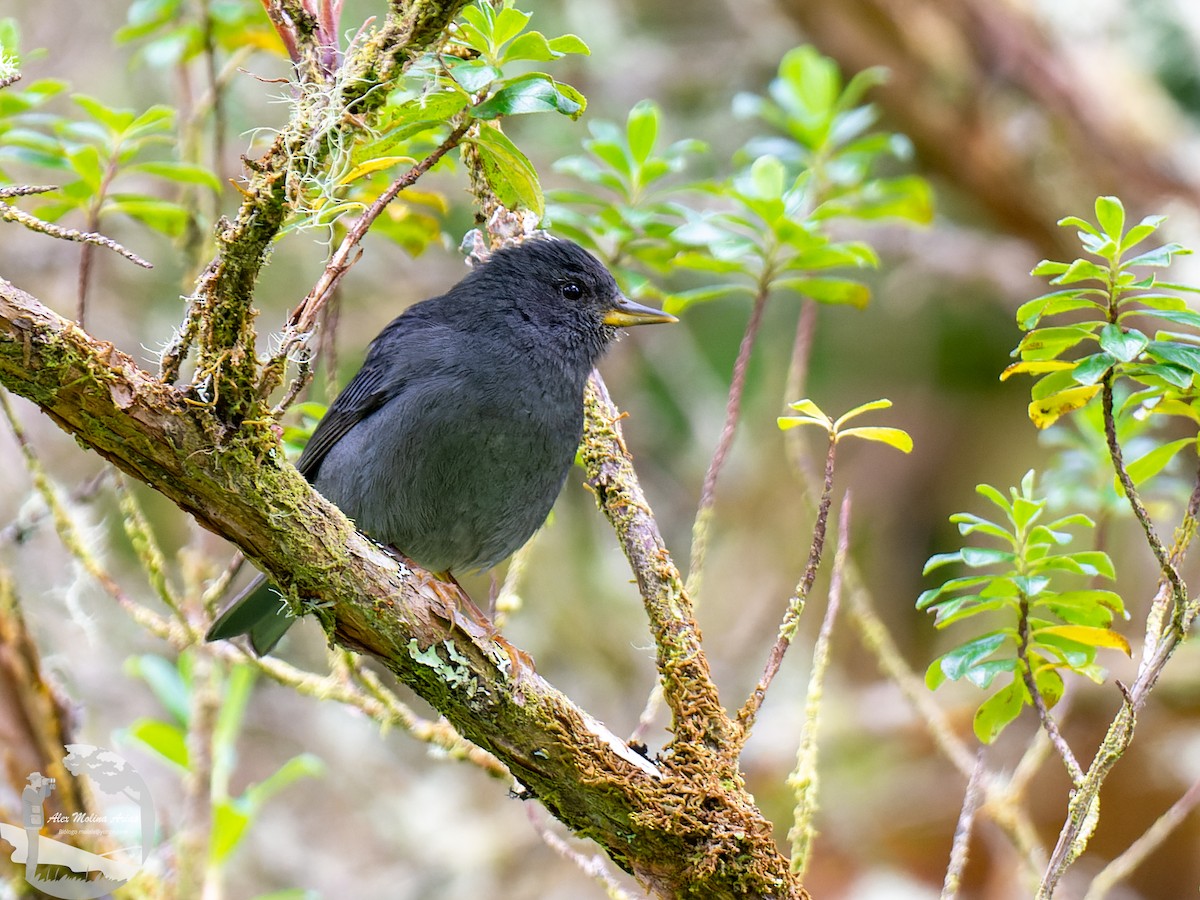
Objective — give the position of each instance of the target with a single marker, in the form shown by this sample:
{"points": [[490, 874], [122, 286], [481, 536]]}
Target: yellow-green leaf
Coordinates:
{"points": [[377, 164], [859, 410], [893, 437], [786, 422], [1045, 412], [1089, 635], [1035, 367]]}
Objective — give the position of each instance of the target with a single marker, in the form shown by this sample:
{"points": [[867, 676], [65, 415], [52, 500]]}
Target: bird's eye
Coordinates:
{"points": [[571, 291]]}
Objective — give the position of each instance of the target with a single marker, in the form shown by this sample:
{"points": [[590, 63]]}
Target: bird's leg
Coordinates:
{"points": [[459, 605]]}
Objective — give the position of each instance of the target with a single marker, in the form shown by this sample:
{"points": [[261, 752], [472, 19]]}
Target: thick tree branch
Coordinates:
{"points": [[680, 829]]}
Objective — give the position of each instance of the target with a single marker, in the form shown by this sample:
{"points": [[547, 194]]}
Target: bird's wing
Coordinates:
{"points": [[381, 377]]}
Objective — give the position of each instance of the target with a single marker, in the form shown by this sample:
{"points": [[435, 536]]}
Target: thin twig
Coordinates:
{"points": [[594, 866], [962, 831], [787, 629], [803, 779], [1178, 589], [304, 317], [32, 222], [9, 80], [733, 405]]}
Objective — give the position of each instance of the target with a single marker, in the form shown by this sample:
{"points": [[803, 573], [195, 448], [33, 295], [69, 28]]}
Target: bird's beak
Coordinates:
{"points": [[624, 313]]}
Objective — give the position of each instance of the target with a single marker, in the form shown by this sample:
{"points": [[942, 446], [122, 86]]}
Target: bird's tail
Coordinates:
{"points": [[258, 611]]}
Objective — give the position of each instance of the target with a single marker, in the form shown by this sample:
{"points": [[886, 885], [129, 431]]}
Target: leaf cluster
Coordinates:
{"points": [[471, 78], [1133, 327], [821, 167], [765, 227], [811, 414], [1046, 627], [106, 160]]}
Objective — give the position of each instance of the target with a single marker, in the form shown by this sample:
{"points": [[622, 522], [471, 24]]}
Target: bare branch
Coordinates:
{"points": [[32, 222]]}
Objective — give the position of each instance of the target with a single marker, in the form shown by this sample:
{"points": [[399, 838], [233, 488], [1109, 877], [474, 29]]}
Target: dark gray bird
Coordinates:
{"points": [[456, 435]]}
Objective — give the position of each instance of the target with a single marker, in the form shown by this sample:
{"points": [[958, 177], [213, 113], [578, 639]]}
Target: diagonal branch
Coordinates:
{"points": [[679, 828]]}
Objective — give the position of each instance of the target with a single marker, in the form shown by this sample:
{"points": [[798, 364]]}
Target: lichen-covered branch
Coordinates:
{"points": [[698, 717]]}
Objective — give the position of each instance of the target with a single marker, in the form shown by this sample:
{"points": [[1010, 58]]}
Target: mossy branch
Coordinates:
{"points": [[680, 828]]}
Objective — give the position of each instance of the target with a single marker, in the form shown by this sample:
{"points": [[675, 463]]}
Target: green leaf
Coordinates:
{"points": [[1082, 224], [1048, 343], [1159, 256], [182, 172], [786, 422], [532, 45], [1049, 685], [1186, 317], [168, 741], [85, 161], [1177, 353], [641, 126], [228, 827], [1067, 300], [955, 664], [1125, 345], [893, 437], [509, 22], [115, 121], [860, 409], [998, 711], [954, 584], [532, 93], [941, 559], [161, 215], [1092, 369], [834, 291], [570, 43], [1049, 266], [1150, 464], [1111, 216], [508, 171], [1141, 231], [978, 557], [1081, 270], [165, 680], [969, 523]]}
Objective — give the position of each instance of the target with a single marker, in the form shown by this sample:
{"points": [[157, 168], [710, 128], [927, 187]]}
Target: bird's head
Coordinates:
{"points": [[564, 290]]}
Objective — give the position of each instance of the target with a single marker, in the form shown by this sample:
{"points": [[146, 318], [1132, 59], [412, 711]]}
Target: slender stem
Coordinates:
{"points": [[1178, 590], [86, 252], [787, 630], [803, 780], [962, 831], [595, 866], [1039, 702], [733, 406]]}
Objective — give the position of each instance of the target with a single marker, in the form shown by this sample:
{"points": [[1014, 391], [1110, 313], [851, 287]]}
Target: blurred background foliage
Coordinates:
{"points": [[1018, 113]]}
